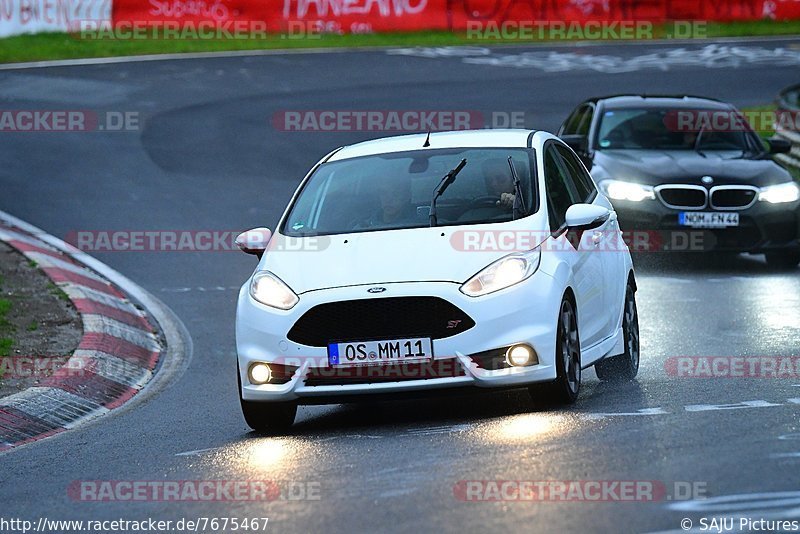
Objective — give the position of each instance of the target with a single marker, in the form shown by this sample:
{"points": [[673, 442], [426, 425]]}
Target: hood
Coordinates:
{"points": [[383, 257], [655, 167]]}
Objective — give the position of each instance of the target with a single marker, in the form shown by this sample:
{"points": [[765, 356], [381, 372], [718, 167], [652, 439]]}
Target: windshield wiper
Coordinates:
{"points": [[448, 179], [519, 202], [698, 139]]}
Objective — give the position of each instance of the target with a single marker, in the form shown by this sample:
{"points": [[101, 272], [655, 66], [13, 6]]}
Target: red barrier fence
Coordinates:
{"points": [[360, 16]]}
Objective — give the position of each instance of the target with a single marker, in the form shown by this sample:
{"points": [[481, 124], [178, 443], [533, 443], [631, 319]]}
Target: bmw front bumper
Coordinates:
{"points": [[653, 227]]}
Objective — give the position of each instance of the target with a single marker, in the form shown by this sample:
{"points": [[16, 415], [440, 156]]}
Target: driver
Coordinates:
{"points": [[499, 183], [395, 209]]}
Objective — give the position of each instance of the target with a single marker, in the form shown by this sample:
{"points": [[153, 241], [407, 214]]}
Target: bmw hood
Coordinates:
{"points": [[442, 254], [655, 167]]}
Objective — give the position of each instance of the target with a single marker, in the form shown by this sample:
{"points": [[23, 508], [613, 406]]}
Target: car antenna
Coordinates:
{"points": [[427, 142]]}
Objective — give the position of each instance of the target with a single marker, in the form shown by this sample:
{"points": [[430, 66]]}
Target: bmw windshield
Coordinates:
{"points": [[672, 129], [395, 190]]}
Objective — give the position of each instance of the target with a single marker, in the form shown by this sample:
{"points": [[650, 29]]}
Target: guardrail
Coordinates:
{"points": [[789, 101]]}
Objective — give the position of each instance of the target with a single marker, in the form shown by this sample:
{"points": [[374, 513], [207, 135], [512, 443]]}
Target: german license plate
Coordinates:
{"points": [[372, 352], [708, 219]]}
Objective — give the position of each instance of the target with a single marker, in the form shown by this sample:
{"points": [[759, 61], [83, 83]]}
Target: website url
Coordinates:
{"points": [[198, 524]]}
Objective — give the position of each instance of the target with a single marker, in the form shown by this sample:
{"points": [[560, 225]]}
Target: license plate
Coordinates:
{"points": [[708, 219], [372, 352]]}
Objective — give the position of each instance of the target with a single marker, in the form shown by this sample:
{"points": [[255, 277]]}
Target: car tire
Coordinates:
{"points": [[624, 366], [269, 418], [567, 385], [783, 259]]}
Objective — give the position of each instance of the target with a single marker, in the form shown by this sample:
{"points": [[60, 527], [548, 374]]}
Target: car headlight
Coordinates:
{"points": [[618, 190], [503, 273], [268, 289], [781, 193]]}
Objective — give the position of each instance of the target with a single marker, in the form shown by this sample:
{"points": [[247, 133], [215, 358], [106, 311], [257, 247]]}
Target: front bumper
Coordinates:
{"points": [[525, 313], [653, 227]]}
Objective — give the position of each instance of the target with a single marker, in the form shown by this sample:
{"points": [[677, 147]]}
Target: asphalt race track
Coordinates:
{"points": [[207, 156]]}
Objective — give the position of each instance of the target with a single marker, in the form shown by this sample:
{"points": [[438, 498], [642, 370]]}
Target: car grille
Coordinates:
{"points": [[379, 318], [374, 374], [683, 196], [733, 198]]}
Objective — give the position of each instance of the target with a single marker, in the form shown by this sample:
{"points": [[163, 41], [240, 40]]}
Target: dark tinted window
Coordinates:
{"points": [[669, 129], [583, 182], [560, 189], [578, 122]]}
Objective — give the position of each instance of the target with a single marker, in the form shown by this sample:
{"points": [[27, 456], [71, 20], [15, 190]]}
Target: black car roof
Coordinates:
{"points": [[658, 101]]}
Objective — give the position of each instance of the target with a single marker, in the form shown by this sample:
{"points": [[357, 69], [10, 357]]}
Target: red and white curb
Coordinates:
{"points": [[116, 358]]}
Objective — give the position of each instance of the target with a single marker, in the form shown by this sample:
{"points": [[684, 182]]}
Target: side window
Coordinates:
{"points": [[586, 120], [561, 192], [583, 181], [579, 122], [573, 122]]}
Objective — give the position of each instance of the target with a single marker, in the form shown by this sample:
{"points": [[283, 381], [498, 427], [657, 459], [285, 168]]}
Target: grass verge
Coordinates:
{"points": [[51, 46], [6, 328]]}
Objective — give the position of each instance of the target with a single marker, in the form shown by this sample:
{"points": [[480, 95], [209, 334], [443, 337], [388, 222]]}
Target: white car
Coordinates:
{"points": [[429, 262]]}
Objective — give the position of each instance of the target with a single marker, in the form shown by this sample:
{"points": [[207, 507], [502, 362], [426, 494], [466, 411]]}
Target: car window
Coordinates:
{"points": [[561, 193], [583, 181], [578, 123], [394, 190], [586, 121], [659, 129]]}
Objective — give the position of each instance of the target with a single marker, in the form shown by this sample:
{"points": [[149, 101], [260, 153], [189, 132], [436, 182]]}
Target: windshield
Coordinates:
{"points": [[393, 191], [660, 129]]}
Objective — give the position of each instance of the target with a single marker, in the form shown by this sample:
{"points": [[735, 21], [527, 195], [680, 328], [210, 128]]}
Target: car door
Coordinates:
{"points": [[606, 240], [586, 264]]}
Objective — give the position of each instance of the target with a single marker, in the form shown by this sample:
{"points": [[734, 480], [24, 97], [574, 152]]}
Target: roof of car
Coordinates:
{"points": [[450, 139], [658, 101]]}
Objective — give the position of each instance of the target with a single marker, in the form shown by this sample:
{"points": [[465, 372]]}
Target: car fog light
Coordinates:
{"points": [[519, 355], [259, 373]]}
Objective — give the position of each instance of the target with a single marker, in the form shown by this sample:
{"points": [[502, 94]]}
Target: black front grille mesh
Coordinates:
{"points": [[733, 198], [379, 318], [681, 197]]}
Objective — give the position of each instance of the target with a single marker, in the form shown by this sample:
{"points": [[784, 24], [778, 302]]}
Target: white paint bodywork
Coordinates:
{"points": [[422, 262]]}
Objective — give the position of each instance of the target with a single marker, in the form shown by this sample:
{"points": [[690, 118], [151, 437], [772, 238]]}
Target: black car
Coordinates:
{"points": [[691, 171]]}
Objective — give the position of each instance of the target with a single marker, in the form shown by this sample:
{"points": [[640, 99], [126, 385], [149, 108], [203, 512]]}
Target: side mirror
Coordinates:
{"points": [[779, 146], [580, 144], [586, 216], [254, 241]]}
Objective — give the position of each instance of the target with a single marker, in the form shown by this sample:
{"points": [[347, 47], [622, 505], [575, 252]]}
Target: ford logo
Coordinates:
{"points": [[376, 290]]}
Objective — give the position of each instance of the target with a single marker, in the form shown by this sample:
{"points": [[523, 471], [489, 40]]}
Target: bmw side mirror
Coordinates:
{"points": [[586, 216], [254, 241], [779, 146], [578, 143]]}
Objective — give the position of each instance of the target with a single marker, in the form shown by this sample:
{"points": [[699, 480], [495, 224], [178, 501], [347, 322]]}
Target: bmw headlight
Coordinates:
{"points": [[503, 273], [268, 289], [780, 194], [618, 190]]}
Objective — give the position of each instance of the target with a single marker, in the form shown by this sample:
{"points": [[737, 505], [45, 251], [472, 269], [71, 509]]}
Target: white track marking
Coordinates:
{"points": [[101, 324], [199, 452], [83, 292], [642, 411], [736, 406]]}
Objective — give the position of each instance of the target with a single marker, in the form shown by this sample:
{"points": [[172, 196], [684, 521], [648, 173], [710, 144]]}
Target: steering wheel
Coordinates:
{"points": [[483, 202]]}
